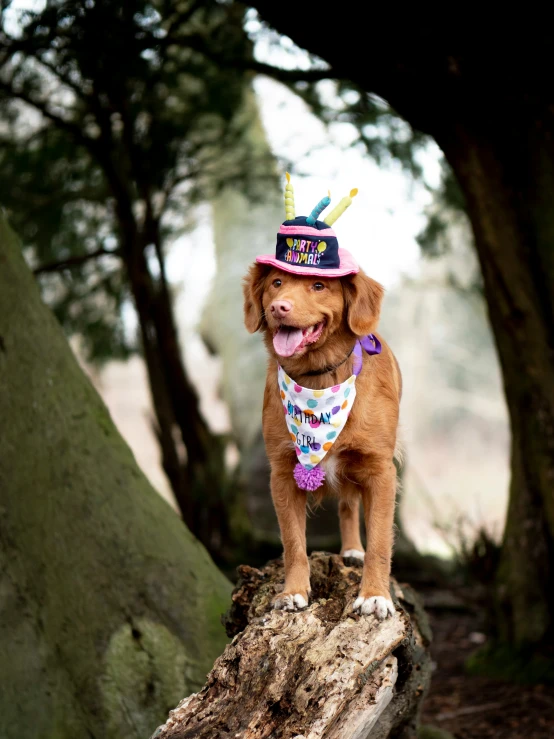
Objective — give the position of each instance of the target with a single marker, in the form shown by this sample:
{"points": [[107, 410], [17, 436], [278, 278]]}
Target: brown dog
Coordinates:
{"points": [[332, 314]]}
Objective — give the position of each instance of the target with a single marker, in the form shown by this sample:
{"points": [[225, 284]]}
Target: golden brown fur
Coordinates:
{"points": [[361, 460]]}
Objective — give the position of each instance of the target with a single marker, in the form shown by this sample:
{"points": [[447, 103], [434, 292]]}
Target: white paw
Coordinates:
{"points": [[354, 554], [378, 605], [290, 602]]}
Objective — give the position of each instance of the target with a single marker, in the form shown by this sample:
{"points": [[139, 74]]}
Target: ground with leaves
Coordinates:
{"points": [[473, 707]]}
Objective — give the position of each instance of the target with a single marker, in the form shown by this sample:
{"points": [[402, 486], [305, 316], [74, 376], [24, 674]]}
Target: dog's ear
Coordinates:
{"points": [[363, 298], [253, 288]]}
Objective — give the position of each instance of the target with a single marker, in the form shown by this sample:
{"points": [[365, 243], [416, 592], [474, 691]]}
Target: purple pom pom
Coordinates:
{"points": [[308, 479]]}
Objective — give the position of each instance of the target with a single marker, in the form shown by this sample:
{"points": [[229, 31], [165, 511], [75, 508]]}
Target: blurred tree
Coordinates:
{"points": [[109, 609], [112, 127], [490, 109]]}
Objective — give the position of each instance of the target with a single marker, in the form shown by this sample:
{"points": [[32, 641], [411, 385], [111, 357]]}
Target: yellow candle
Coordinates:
{"points": [[341, 207], [289, 200]]}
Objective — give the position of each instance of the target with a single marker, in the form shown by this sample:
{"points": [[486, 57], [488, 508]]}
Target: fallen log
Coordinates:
{"points": [[320, 673]]}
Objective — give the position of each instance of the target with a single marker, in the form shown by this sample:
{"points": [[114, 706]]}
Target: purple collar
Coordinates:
{"points": [[371, 344]]}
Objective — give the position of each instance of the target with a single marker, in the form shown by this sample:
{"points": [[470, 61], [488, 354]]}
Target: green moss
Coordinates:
{"points": [[432, 732], [216, 607], [147, 672], [503, 662], [111, 608]]}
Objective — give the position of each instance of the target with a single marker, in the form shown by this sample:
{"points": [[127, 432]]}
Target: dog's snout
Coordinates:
{"points": [[280, 308]]}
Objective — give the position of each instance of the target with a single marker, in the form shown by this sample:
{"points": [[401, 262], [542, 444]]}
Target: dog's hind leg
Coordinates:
{"points": [[349, 518], [378, 495], [290, 506]]}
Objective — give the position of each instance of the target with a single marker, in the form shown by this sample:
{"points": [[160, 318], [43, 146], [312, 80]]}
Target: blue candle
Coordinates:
{"points": [[319, 208]]}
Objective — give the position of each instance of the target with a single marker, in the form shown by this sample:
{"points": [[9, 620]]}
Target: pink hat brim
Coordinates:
{"points": [[348, 266]]}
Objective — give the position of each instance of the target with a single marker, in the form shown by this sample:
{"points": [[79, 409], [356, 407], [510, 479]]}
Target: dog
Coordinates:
{"points": [[310, 326]]}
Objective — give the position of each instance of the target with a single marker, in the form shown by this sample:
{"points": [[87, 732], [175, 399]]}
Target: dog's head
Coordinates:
{"points": [[305, 314]]}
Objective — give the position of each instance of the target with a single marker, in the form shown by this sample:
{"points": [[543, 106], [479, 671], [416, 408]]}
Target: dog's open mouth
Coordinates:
{"points": [[288, 340]]}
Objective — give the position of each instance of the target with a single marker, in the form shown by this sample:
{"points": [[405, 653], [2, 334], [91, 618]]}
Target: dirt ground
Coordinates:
{"points": [[474, 707]]}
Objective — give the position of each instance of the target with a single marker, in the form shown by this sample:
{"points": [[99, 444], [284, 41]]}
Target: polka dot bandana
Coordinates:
{"points": [[315, 418]]}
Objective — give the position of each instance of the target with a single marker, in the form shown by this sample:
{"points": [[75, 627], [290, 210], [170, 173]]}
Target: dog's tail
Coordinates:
{"points": [[399, 455]]}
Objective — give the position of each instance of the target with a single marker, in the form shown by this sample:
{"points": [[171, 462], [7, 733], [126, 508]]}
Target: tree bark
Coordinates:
{"points": [[508, 179], [319, 673], [109, 608]]}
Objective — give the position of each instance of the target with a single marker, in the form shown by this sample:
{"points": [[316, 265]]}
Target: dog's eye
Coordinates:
{"points": [[277, 283], [318, 286]]}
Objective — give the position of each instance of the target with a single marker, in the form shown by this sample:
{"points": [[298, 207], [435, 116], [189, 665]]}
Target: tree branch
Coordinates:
{"points": [[40, 105], [64, 79], [75, 261], [288, 76], [28, 48], [178, 20]]}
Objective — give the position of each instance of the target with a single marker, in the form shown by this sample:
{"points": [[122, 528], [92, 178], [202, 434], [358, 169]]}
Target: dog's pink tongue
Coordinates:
{"points": [[287, 341]]}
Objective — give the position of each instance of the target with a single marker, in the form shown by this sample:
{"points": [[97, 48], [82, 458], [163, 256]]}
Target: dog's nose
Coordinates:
{"points": [[280, 308]]}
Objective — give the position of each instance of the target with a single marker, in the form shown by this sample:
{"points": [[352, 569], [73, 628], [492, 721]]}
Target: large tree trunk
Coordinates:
{"points": [[109, 608], [319, 673], [507, 175], [489, 105]]}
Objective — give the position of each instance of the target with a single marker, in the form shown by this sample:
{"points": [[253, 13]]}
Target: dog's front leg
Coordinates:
{"points": [[290, 506], [378, 496]]}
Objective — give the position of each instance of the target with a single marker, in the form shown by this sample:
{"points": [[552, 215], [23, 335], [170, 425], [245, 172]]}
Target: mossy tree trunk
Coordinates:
{"points": [[109, 608]]}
